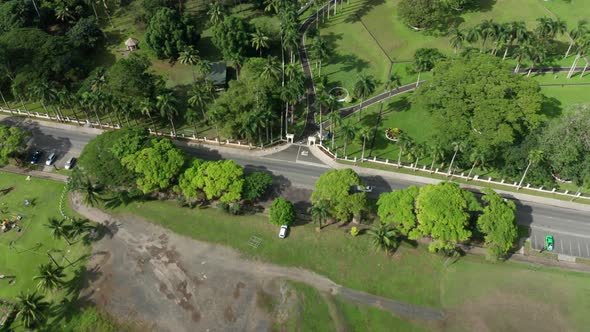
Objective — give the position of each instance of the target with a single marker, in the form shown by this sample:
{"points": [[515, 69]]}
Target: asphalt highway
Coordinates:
{"points": [[570, 228]]}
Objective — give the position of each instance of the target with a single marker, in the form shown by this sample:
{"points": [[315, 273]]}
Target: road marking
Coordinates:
{"points": [[551, 230], [298, 150]]}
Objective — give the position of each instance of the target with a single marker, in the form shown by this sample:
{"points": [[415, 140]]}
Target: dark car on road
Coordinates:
{"points": [[36, 156]]}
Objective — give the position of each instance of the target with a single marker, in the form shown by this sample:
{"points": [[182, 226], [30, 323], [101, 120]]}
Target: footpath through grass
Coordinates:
{"points": [[469, 286]]}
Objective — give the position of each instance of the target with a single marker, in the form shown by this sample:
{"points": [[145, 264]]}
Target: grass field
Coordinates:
{"points": [[470, 290]]}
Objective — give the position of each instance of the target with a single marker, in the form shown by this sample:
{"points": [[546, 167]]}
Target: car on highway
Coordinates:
{"points": [[36, 156], [70, 163], [283, 231], [549, 242], [51, 159]]}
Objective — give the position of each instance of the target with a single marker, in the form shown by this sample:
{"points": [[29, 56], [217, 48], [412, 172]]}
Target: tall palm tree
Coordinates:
{"points": [[62, 13], [536, 54], [473, 35], [348, 131], [50, 277], [216, 12], [457, 39], [436, 153], [319, 49], [545, 27], [146, 107], [365, 133], [200, 96], [166, 104], [204, 68], [271, 68], [580, 30], [520, 54], [259, 40], [31, 309], [384, 237], [320, 212], [364, 87], [189, 56], [582, 46], [272, 6], [394, 82], [335, 121], [59, 229], [535, 157], [89, 192], [89, 101], [79, 227], [458, 146], [404, 141], [418, 150], [476, 157]]}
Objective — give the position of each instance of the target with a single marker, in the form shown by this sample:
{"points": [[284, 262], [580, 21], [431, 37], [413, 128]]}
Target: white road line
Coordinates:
{"points": [[554, 231], [298, 150]]}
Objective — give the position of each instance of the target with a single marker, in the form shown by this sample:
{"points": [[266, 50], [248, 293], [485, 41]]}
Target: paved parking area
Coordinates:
{"points": [[297, 153], [564, 244]]}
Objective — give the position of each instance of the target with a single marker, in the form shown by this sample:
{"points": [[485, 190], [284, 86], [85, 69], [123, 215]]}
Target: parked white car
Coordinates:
{"points": [[70, 163], [51, 159], [283, 231]]}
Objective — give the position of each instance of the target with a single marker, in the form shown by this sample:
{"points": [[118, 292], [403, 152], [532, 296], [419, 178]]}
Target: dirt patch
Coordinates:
{"points": [[506, 312]]}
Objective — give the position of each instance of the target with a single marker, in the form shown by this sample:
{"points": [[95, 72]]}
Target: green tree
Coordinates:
{"points": [[13, 141], [421, 14], [364, 87], [190, 56], [282, 212], [348, 132], [157, 166], [465, 109], [365, 133], [335, 121], [337, 187], [457, 39], [320, 212], [457, 147], [32, 309], [319, 49], [80, 227], [216, 12], [255, 185], [167, 34], [443, 214], [535, 156], [259, 40], [498, 224], [167, 104], [200, 97], [384, 237], [50, 277], [397, 208], [90, 192], [220, 179], [231, 36], [59, 229], [425, 59], [85, 34]]}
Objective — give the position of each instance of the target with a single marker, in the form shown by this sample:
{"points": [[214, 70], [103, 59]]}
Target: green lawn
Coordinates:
{"points": [[470, 286]]}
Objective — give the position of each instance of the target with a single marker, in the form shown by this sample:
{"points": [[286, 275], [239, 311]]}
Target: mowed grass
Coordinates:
{"points": [[30, 247], [469, 289]]}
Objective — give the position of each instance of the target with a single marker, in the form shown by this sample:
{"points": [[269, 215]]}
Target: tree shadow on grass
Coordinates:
{"points": [[357, 9], [481, 6], [551, 107]]}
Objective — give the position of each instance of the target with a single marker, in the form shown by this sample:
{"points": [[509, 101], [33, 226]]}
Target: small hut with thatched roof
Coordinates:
{"points": [[131, 44]]}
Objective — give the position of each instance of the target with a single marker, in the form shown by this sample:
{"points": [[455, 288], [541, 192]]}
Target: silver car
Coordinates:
{"points": [[51, 159], [70, 163]]}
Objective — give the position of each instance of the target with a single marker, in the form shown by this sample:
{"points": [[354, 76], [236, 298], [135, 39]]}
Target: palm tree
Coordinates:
{"points": [[404, 141], [393, 82], [200, 96], [79, 227], [384, 237], [89, 101], [335, 121], [436, 152], [320, 212], [365, 133], [204, 67], [216, 12], [59, 229], [536, 54], [62, 13], [190, 57], [166, 104], [522, 53], [473, 35], [535, 157], [271, 68], [348, 131], [477, 157], [486, 29], [146, 107], [418, 150], [50, 277], [32, 309], [544, 28], [458, 146], [319, 49], [90, 192], [580, 30], [272, 6], [259, 40], [457, 39], [582, 43], [364, 87]]}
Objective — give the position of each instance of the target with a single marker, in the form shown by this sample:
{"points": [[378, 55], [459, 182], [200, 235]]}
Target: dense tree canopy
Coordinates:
{"points": [[337, 188], [13, 140], [131, 79], [421, 14], [168, 34], [157, 166], [255, 185], [85, 34], [398, 209], [221, 180], [498, 224], [476, 99], [443, 212], [282, 212], [231, 36], [566, 141]]}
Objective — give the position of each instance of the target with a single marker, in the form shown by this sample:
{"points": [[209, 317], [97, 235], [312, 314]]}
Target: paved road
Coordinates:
{"points": [[570, 228]]}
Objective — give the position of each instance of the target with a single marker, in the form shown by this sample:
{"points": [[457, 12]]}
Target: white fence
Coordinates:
{"points": [[463, 176], [94, 124]]}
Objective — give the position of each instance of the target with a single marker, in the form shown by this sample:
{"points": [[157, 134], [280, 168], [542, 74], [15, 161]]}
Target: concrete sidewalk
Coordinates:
{"points": [[328, 160], [33, 173]]}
